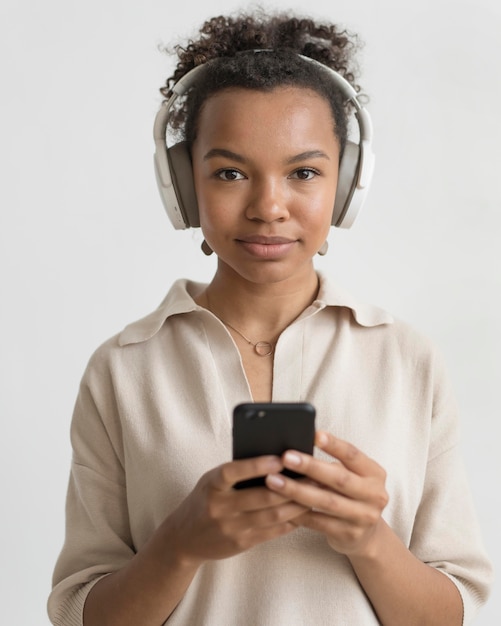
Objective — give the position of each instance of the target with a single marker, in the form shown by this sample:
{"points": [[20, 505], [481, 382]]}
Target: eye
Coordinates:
{"points": [[229, 175], [304, 173]]}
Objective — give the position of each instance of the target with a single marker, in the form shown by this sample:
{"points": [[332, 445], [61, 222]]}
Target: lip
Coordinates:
{"points": [[266, 247]]}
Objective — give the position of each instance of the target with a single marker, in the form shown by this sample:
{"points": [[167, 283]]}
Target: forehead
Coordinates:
{"points": [[284, 116]]}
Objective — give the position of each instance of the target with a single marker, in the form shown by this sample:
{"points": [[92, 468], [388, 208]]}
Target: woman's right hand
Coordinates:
{"points": [[216, 521]]}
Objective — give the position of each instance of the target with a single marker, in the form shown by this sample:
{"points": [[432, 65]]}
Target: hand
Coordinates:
{"points": [[216, 521], [345, 499]]}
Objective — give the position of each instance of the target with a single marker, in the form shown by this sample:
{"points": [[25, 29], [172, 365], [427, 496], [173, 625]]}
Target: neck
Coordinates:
{"points": [[261, 310]]}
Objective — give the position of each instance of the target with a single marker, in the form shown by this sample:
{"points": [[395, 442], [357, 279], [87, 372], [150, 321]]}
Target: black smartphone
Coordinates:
{"points": [[261, 428]]}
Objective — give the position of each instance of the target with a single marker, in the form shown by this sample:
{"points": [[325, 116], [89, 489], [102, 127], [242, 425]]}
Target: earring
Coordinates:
{"points": [[324, 248], [206, 249]]}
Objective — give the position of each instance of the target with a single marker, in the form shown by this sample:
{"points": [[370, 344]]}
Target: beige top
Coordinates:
{"points": [[154, 413]]}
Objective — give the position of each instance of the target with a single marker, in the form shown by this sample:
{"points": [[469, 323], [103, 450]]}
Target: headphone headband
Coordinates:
{"points": [[174, 172]]}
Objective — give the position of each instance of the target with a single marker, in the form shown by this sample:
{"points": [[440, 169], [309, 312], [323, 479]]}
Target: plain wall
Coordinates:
{"points": [[86, 247]]}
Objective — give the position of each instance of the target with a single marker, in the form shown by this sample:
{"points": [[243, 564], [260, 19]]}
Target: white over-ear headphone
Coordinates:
{"points": [[174, 172]]}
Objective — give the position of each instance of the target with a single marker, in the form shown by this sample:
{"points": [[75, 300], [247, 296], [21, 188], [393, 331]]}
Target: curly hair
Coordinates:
{"points": [[223, 42]]}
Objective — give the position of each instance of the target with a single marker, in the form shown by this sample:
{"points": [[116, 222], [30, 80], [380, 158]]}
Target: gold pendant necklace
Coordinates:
{"points": [[261, 348]]}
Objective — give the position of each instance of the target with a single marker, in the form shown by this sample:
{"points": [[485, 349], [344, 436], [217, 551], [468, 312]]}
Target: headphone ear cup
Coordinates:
{"points": [[181, 170], [347, 181]]}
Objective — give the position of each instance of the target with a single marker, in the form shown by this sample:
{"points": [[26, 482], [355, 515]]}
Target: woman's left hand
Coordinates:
{"points": [[345, 498]]}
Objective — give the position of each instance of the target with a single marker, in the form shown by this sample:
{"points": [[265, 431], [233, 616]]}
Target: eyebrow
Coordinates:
{"points": [[309, 154], [215, 152]]}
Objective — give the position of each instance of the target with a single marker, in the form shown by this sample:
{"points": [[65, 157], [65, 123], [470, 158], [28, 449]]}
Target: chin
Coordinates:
{"points": [[271, 272]]}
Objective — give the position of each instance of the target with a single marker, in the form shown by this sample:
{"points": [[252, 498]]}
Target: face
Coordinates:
{"points": [[265, 167]]}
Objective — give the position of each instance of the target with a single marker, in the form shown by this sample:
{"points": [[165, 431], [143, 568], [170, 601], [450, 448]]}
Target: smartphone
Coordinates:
{"points": [[261, 428]]}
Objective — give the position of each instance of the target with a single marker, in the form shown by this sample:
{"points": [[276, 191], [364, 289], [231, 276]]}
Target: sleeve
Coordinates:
{"points": [[98, 539], [446, 533]]}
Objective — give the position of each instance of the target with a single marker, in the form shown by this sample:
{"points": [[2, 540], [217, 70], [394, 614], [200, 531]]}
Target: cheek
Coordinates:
{"points": [[217, 208], [329, 198], [217, 213], [197, 182], [205, 199], [318, 208]]}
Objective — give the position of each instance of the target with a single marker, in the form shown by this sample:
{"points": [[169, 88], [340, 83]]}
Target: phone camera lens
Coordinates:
{"points": [[253, 414]]}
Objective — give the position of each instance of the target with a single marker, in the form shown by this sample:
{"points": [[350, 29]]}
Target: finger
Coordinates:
{"points": [[349, 455], [372, 496], [260, 535], [335, 476], [226, 475], [339, 528], [272, 516], [252, 499], [313, 497]]}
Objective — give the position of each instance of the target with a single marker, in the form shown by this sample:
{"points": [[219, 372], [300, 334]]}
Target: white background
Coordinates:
{"points": [[86, 247]]}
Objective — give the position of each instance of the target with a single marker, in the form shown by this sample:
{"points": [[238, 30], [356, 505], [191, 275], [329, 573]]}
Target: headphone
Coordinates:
{"points": [[174, 172]]}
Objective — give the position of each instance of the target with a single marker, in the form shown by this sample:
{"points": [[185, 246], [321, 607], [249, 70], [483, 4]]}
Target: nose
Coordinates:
{"points": [[267, 201]]}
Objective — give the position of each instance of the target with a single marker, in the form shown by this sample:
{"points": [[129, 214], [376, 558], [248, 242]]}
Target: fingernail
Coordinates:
{"points": [[292, 458], [275, 461], [322, 439], [275, 480]]}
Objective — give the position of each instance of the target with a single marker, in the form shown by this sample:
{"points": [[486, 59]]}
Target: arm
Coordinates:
{"points": [[347, 499], [403, 589], [214, 522]]}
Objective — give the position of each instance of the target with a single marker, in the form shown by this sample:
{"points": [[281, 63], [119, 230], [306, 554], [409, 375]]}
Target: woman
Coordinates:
{"points": [[155, 530]]}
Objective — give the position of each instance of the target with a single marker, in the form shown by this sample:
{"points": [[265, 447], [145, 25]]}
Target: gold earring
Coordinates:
{"points": [[206, 249], [324, 248]]}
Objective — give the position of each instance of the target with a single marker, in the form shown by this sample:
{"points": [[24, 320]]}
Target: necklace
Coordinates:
{"points": [[261, 348]]}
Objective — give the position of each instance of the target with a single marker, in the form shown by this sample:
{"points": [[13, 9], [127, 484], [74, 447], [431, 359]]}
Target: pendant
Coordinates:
{"points": [[263, 348]]}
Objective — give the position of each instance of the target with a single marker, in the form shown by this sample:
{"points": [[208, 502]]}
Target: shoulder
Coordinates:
{"points": [[179, 299], [146, 330], [377, 330]]}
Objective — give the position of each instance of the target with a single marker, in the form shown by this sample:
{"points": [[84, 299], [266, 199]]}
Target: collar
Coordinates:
{"points": [[365, 314], [179, 300]]}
